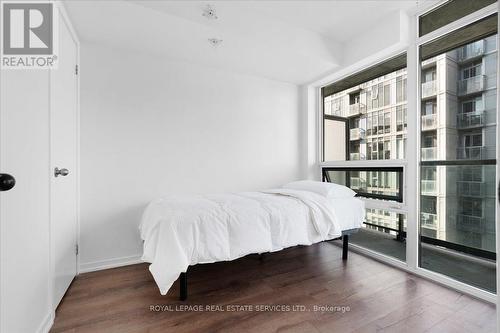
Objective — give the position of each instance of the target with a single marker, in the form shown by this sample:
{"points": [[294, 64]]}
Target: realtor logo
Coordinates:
{"points": [[28, 35]]}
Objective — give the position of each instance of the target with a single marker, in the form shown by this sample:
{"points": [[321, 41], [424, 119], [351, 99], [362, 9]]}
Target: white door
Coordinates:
{"points": [[24, 209], [64, 150]]}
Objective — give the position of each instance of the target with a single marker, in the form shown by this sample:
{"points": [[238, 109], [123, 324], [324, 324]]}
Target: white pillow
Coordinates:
{"points": [[329, 190]]}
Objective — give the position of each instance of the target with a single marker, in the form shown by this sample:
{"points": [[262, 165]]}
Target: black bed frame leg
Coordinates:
{"points": [[183, 287], [345, 246]]}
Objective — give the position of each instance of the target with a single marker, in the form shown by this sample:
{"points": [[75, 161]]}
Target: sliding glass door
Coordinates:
{"points": [[458, 99]]}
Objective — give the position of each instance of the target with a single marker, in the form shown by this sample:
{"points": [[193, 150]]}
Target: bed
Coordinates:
{"points": [[179, 231]]}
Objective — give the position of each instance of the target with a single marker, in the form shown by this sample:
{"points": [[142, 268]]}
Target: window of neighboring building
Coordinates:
{"points": [[429, 108], [472, 105], [429, 75], [472, 207], [471, 70], [473, 140]]}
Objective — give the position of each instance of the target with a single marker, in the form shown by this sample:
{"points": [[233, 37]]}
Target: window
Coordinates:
{"points": [[387, 121], [401, 147], [472, 105], [472, 207], [401, 85], [430, 108], [429, 75], [401, 118], [457, 207], [354, 98], [457, 119], [387, 94], [378, 183], [472, 174], [471, 70], [473, 140], [429, 140], [377, 132]]}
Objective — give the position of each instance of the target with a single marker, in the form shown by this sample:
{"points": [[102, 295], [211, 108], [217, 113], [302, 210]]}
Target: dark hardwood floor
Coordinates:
{"points": [[369, 296]]}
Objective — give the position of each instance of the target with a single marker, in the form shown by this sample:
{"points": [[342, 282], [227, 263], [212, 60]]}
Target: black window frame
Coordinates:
{"points": [[399, 169]]}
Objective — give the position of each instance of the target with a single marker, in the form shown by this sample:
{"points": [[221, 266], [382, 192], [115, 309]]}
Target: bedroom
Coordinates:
{"points": [[301, 166]]}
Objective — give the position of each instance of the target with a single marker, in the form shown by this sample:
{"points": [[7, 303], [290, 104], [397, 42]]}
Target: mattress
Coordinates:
{"points": [[183, 230]]}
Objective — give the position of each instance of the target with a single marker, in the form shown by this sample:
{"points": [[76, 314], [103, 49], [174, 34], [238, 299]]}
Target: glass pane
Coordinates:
{"points": [[374, 111], [383, 231], [369, 183], [458, 162]]}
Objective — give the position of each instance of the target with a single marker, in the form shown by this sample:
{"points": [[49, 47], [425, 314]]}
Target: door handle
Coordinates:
{"points": [[7, 182], [60, 172]]}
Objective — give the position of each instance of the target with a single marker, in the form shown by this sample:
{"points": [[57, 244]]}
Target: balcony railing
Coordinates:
{"points": [[356, 109], [471, 85], [429, 154], [356, 156], [429, 89], [470, 188], [428, 187], [358, 183], [469, 223], [356, 134], [471, 51], [428, 220], [429, 122], [475, 153], [470, 119]]}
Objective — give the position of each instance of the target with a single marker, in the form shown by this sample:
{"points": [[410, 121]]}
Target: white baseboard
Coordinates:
{"points": [[109, 263], [47, 323]]}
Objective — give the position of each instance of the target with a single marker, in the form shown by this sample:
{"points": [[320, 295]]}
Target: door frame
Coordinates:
{"points": [[63, 14]]}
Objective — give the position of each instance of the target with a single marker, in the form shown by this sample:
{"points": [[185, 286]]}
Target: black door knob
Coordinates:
{"points": [[6, 182]]}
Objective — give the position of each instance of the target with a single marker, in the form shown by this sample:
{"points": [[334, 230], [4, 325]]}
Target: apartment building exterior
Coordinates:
{"points": [[458, 123]]}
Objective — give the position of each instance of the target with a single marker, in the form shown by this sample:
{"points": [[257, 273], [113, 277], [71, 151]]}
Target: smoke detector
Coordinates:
{"points": [[209, 13], [215, 41]]}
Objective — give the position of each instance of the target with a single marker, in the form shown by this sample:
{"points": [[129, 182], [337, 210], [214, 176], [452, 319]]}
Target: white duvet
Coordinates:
{"points": [[179, 231]]}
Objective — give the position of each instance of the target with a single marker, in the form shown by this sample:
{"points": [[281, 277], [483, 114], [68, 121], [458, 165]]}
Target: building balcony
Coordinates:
{"points": [[428, 187], [471, 51], [429, 154], [471, 85], [429, 89], [428, 220], [469, 223], [429, 122], [470, 119], [470, 188], [356, 109], [472, 153], [356, 156], [358, 183], [356, 134]]}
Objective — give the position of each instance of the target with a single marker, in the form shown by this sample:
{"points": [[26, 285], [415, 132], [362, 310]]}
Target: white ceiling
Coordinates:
{"points": [[292, 41]]}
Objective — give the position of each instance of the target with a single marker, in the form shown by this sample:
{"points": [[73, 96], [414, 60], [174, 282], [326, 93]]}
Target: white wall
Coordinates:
{"points": [[151, 127]]}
